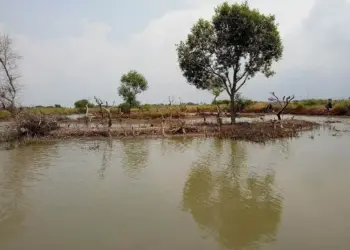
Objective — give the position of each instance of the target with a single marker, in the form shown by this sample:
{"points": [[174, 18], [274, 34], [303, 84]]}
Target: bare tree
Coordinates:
{"points": [[283, 104], [99, 103], [8, 74], [106, 109], [171, 100]]}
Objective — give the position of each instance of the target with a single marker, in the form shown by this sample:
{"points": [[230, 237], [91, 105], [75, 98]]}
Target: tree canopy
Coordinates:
{"points": [[230, 49], [81, 104], [132, 84]]}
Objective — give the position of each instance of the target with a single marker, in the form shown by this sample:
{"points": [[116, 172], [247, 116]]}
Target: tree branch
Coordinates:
{"points": [[278, 100], [283, 105], [240, 86], [222, 78], [9, 77]]}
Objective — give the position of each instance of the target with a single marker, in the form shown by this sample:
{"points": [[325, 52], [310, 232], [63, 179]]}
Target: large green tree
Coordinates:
{"points": [[230, 49], [132, 84]]}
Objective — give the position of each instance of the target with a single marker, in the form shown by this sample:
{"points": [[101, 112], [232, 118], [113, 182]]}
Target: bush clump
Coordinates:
{"points": [[30, 124]]}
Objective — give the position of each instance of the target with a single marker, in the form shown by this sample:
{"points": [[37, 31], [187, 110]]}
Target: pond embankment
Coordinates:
{"points": [[254, 131]]}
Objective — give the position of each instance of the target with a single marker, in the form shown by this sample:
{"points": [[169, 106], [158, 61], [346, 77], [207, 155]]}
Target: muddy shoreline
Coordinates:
{"points": [[258, 132]]}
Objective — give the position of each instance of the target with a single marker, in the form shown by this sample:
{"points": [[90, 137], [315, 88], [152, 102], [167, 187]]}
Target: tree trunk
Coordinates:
{"points": [[233, 109], [279, 116]]}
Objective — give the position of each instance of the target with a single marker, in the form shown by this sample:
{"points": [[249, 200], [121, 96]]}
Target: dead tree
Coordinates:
{"points": [[99, 103], [106, 109], [218, 118], [171, 100], [202, 114], [183, 106], [283, 104], [8, 75], [108, 116], [162, 124], [88, 116]]}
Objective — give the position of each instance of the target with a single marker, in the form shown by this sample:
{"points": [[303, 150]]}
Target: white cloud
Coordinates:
{"points": [[65, 69]]}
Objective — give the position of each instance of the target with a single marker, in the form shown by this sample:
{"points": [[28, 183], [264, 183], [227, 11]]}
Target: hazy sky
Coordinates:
{"points": [[78, 48]]}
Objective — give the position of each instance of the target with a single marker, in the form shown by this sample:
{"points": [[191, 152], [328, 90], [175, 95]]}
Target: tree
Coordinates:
{"points": [[132, 84], [81, 104], [283, 104], [233, 47], [9, 86]]}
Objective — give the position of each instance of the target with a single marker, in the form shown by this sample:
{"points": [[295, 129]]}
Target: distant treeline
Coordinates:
{"points": [[241, 102]]}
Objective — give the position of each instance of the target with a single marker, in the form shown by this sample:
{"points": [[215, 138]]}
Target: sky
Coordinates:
{"points": [[74, 49]]}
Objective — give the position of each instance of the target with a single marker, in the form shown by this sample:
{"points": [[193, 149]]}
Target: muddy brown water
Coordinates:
{"points": [[178, 194]]}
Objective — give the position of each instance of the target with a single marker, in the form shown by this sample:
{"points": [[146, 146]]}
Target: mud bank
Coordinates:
{"points": [[255, 131]]}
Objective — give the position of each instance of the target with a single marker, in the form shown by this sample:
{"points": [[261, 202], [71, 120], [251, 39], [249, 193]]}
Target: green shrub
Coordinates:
{"points": [[220, 102], [341, 107], [147, 107], [125, 107], [314, 102], [299, 105]]}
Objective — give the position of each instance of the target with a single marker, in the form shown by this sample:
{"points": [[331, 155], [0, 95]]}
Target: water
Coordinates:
{"points": [[178, 194]]}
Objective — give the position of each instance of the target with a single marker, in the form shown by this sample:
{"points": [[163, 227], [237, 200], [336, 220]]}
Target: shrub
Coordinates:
{"points": [[81, 110], [299, 106], [147, 107], [220, 102], [341, 108], [125, 107], [314, 102], [30, 124], [183, 108]]}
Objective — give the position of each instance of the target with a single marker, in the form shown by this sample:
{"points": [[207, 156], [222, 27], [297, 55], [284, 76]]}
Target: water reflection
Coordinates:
{"points": [[284, 146], [178, 144], [135, 156], [106, 157], [240, 209], [18, 169]]}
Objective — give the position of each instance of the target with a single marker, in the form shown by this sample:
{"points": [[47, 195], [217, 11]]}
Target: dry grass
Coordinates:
{"points": [[4, 114], [304, 107]]}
